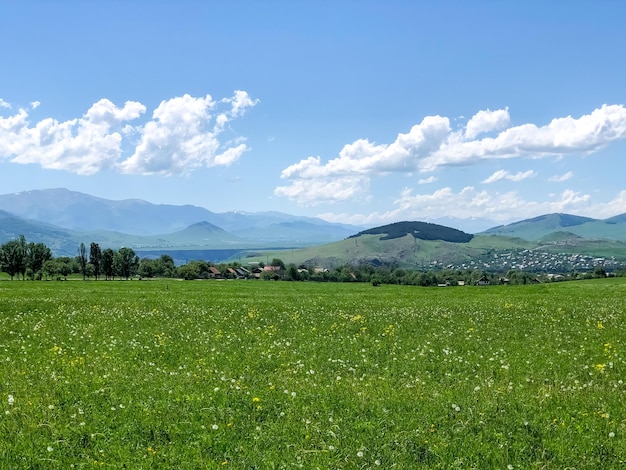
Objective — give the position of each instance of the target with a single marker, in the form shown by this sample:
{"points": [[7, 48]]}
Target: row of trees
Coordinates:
{"points": [[18, 258]]}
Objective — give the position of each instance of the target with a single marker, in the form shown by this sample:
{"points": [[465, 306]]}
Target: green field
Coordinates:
{"points": [[244, 374]]}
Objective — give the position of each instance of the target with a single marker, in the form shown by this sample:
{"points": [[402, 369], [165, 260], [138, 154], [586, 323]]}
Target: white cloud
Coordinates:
{"points": [[561, 178], [35, 104], [487, 121], [362, 158], [4, 104], [240, 102], [430, 179], [472, 203], [505, 175], [182, 135], [562, 136], [84, 146], [324, 191], [432, 144]]}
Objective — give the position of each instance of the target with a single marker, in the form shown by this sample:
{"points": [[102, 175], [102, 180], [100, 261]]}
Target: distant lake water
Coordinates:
{"points": [[214, 256]]}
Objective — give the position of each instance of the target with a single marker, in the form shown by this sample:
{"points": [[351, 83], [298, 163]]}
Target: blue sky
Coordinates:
{"points": [[356, 111]]}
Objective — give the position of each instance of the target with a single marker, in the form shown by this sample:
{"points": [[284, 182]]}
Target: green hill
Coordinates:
{"points": [[57, 239], [486, 252], [421, 230], [406, 251]]}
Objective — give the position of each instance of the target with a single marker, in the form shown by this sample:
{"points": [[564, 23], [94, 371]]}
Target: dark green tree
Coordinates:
{"points": [[189, 271], [108, 258], [292, 273], [36, 256], [82, 260], [278, 262], [147, 267], [65, 266], [125, 262], [13, 257], [165, 267], [95, 259], [49, 269]]}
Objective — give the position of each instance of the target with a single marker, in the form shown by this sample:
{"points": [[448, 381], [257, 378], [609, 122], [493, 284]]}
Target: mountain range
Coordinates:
{"points": [[564, 225], [62, 219]]}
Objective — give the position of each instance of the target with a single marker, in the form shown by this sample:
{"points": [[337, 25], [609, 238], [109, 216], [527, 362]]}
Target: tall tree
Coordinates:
{"points": [[82, 259], [95, 258], [13, 257], [108, 257], [64, 266], [23, 248], [36, 256], [126, 262], [165, 266]]}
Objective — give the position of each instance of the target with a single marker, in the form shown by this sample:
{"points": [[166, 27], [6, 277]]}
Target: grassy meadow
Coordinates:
{"points": [[261, 375]]}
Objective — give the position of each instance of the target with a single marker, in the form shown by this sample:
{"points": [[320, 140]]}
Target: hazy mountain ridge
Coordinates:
{"points": [[542, 226], [63, 219], [195, 229]]}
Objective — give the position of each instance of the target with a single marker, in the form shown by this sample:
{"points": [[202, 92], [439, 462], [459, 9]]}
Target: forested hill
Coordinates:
{"points": [[421, 230]]}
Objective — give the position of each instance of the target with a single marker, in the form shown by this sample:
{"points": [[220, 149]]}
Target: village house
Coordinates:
{"points": [[214, 273]]}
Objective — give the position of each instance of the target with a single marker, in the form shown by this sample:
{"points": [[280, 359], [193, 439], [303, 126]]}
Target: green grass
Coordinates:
{"points": [[244, 374], [405, 252]]}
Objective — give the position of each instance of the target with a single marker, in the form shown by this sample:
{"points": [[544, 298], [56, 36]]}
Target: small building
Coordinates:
{"points": [[214, 273], [483, 281]]}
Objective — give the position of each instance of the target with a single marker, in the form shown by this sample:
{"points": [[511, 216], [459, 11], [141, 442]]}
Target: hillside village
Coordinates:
{"points": [[537, 261]]}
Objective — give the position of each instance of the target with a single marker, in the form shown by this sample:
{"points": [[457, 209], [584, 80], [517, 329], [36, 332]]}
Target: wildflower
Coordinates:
{"points": [[11, 400], [359, 454], [50, 449], [256, 399], [611, 434], [215, 427]]}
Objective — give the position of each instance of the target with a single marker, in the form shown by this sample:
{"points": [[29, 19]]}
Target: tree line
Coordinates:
{"points": [[23, 260]]}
